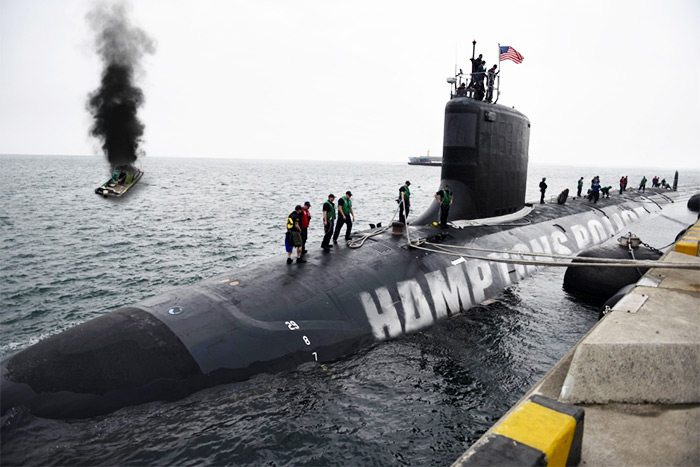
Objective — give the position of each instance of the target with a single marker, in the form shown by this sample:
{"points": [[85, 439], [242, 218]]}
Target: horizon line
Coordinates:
{"points": [[374, 160]]}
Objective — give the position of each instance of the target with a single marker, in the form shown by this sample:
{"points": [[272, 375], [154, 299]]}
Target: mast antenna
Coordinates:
{"points": [[456, 45]]}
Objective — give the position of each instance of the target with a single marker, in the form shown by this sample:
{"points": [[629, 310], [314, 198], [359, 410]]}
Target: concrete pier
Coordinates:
{"points": [[636, 374]]}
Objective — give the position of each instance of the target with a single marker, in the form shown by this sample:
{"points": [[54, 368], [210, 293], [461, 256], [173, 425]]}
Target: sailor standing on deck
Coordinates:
{"points": [[475, 64], [305, 218], [445, 198], [594, 192], [345, 211], [492, 73], [328, 219], [293, 237], [580, 187], [543, 188], [404, 201], [643, 184], [480, 75]]}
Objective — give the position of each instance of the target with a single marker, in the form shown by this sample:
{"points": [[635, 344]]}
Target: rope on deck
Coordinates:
{"points": [[566, 260]]}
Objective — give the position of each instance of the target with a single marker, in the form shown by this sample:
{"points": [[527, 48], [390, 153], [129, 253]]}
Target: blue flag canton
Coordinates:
{"points": [[504, 48]]}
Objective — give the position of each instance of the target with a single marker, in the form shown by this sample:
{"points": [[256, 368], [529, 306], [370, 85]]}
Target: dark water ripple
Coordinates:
{"points": [[68, 256]]}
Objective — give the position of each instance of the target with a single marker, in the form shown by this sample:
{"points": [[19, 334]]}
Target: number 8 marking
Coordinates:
{"points": [[306, 340]]}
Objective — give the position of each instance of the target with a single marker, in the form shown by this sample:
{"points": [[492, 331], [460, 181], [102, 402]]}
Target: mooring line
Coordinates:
{"points": [[617, 264]]}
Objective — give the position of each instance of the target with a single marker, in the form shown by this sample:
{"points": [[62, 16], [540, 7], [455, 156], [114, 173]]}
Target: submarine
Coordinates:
{"points": [[267, 318]]}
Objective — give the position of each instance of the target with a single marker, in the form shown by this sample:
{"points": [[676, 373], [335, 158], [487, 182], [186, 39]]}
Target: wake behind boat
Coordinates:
{"points": [[123, 178]]}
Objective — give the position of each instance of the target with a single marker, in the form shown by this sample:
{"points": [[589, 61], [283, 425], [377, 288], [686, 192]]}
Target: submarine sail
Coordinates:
{"points": [[484, 160]]}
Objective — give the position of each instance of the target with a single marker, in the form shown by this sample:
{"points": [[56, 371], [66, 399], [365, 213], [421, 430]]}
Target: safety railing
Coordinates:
{"points": [[480, 85]]}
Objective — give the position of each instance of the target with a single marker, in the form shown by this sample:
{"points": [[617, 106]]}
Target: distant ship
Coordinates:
{"points": [[425, 160]]}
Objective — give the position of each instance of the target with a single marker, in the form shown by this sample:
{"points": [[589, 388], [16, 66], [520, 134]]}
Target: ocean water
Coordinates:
{"points": [[68, 255]]}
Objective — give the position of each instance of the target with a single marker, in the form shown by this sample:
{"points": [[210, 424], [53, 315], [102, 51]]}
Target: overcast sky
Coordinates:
{"points": [[604, 83]]}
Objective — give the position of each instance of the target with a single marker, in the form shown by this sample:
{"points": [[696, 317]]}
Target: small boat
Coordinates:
{"points": [[425, 160], [123, 178]]}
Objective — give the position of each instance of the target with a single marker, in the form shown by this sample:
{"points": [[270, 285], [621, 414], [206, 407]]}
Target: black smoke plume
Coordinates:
{"points": [[114, 105]]}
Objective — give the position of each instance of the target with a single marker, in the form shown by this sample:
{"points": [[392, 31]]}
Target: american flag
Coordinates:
{"points": [[509, 53]]}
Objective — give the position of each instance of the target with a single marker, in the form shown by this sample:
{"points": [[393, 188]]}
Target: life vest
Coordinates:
{"points": [[305, 217], [290, 221], [446, 196], [346, 207], [331, 213], [406, 195]]}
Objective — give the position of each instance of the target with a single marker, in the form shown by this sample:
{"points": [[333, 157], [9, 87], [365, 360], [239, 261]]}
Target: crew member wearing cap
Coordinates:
{"points": [[404, 201], [475, 64], [293, 236], [491, 76], [345, 211], [305, 218], [328, 220]]}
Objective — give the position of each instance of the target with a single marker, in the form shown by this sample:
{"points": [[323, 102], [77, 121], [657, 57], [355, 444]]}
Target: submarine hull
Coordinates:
{"points": [[274, 317]]}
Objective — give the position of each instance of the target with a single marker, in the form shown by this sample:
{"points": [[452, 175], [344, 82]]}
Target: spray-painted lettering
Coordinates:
{"points": [[461, 285]]}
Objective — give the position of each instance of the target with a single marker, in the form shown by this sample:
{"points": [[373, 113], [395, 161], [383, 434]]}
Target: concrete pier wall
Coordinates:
{"points": [[636, 374]]}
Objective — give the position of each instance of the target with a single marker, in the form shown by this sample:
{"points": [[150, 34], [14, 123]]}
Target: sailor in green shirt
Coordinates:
{"points": [[444, 197], [404, 201], [345, 212], [643, 184], [580, 187]]}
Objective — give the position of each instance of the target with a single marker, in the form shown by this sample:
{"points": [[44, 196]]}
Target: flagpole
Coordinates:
{"points": [[499, 56], [456, 57], [471, 75], [498, 88]]}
